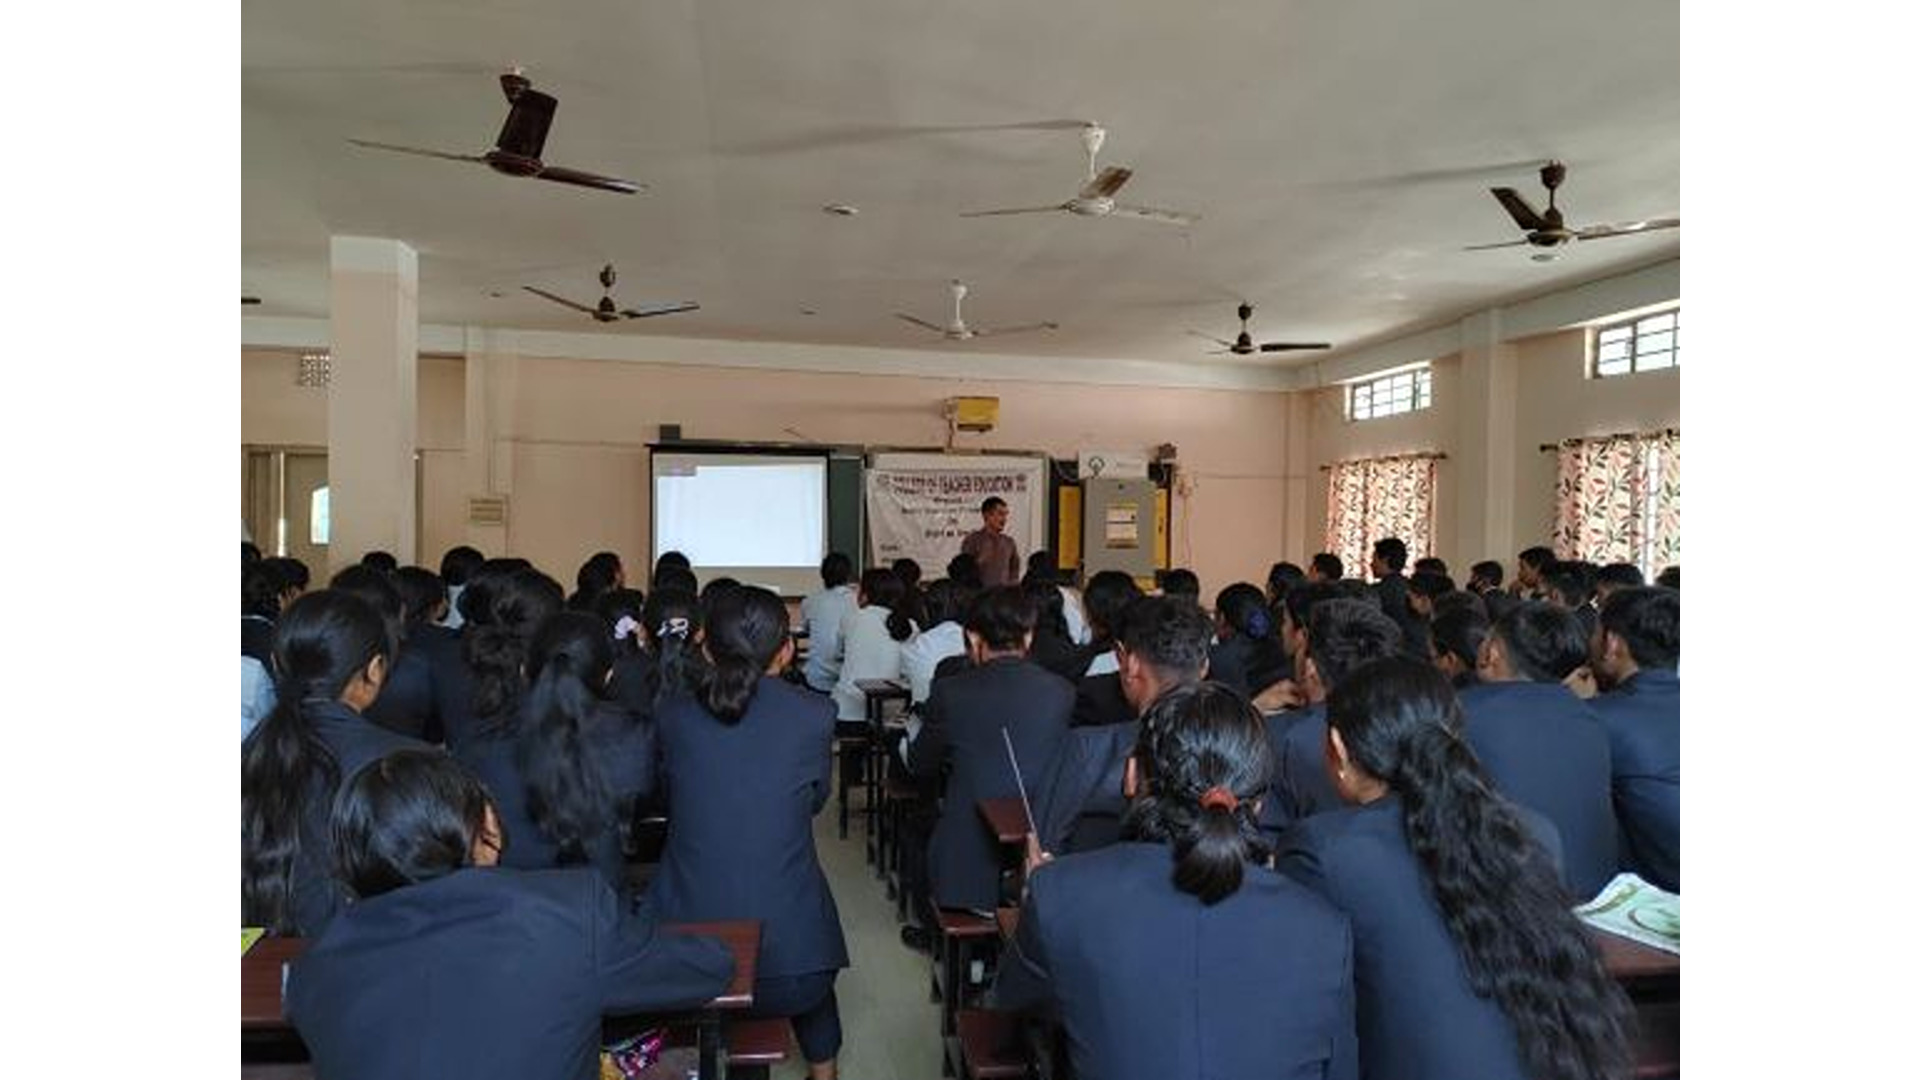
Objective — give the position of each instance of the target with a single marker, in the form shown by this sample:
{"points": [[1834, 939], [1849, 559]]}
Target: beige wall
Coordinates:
{"points": [[1553, 400]]}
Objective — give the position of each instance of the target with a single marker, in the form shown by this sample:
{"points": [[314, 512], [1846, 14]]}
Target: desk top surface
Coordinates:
{"points": [[1007, 818], [261, 987], [882, 688]]}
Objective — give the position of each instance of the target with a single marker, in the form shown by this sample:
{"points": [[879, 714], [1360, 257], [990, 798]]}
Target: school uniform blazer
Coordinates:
{"points": [[405, 703], [633, 683], [1151, 984], [620, 745], [353, 740], [1418, 1016], [1079, 802], [1545, 749], [964, 718], [1248, 664], [256, 639], [1062, 656], [1642, 718], [741, 799], [1098, 700], [453, 693], [1301, 786], [489, 975]]}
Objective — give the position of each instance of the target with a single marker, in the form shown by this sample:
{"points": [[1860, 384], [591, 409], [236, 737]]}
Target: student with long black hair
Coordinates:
{"points": [[1164, 954], [871, 637], [406, 702], [446, 966], [494, 651], [622, 609], [749, 760], [568, 767], [1544, 747], [331, 652], [1109, 593], [259, 607], [671, 664], [601, 572], [1470, 962], [1458, 635], [1247, 654], [943, 611], [1053, 639]]}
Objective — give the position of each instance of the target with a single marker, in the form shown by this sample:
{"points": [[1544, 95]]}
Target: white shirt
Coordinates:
{"points": [[867, 651], [1077, 629], [1105, 664], [256, 694], [452, 620], [919, 656], [821, 614]]}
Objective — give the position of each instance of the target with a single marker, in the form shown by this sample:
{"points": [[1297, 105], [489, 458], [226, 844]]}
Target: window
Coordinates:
{"points": [[318, 517], [1651, 343], [1400, 392], [1372, 500], [1618, 500]]}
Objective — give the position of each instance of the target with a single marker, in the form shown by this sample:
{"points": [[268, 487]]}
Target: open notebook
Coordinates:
{"points": [[1634, 909], [249, 935]]}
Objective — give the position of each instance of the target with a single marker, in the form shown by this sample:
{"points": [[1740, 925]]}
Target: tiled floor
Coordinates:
{"points": [[892, 1030]]}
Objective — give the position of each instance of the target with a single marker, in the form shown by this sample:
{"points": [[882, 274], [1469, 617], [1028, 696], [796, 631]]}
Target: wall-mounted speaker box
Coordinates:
{"points": [[975, 413], [669, 432]]}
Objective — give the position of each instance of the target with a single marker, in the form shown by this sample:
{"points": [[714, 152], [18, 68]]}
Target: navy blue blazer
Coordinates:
{"points": [[1642, 718], [964, 717], [1152, 984], [1545, 749], [353, 740], [1248, 664], [634, 680], [256, 639], [1301, 786], [619, 745], [405, 703], [1098, 699], [1419, 1018], [741, 799], [453, 694], [489, 975], [1079, 802]]}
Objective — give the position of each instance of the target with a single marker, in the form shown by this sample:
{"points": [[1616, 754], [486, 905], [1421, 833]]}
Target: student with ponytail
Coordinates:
{"points": [[1247, 655], [748, 763], [1164, 954], [669, 663], [871, 638], [501, 619], [331, 651], [1470, 960], [568, 769]]}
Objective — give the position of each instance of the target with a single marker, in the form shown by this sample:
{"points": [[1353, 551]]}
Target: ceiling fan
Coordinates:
{"points": [[1095, 198], [249, 301], [958, 330], [517, 151], [607, 310], [1244, 346], [1549, 230]]}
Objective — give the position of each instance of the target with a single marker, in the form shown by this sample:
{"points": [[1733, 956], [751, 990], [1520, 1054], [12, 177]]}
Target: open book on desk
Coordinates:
{"points": [[1634, 909]]}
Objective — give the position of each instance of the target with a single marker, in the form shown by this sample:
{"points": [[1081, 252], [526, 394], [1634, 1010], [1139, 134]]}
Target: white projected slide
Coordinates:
{"points": [[760, 519]]}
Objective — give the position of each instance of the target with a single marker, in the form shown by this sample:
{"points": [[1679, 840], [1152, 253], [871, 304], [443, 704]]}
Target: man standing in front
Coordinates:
{"points": [[992, 548]]}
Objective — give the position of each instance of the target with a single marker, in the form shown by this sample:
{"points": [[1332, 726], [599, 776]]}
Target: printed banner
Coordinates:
{"points": [[923, 515]]}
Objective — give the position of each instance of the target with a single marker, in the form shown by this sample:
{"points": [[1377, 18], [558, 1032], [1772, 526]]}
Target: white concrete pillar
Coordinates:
{"points": [[371, 411], [489, 383], [1484, 471]]}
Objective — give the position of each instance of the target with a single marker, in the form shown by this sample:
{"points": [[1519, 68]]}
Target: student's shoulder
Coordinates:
{"points": [[1270, 891], [788, 697]]}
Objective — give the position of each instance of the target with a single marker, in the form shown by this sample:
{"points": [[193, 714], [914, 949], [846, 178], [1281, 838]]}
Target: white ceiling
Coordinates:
{"points": [[1339, 152]]}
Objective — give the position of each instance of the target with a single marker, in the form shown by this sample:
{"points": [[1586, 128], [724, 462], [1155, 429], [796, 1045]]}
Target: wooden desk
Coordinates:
{"points": [[262, 986], [1629, 961], [1008, 820], [878, 693]]}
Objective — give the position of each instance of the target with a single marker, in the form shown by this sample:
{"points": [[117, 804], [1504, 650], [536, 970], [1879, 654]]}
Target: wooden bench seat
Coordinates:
{"points": [[755, 1046], [990, 1046]]}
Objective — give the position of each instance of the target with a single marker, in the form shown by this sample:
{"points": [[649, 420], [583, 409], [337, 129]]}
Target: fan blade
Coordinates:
{"points": [[1016, 210], [1148, 213], [592, 180], [559, 299], [1291, 346], [1599, 232], [1003, 331], [1490, 247], [648, 311], [1210, 337], [921, 323], [1522, 212], [371, 145], [524, 134], [1111, 179]]}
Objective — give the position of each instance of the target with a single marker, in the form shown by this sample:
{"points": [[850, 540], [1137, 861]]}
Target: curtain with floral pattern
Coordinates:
{"points": [[1377, 498], [1617, 499]]}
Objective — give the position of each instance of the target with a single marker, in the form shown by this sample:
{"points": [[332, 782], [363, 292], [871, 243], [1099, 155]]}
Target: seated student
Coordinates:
{"points": [[1053, 644], [965, 569], [1542, 746], [1431, 564], [1325, 566], [1392, 589], [1469, 962], [712, 589], [1181, 584], [447, 966], [1636, 656], [1457, 637], [622, 609], [1669, 578], [259, 606], [748, 759], [1078, 803], [1246, 654], [871, 637], [293, 576], [910, 573], [494, 650], [1281, 579], [567, 767], [456, 568], [331, 652], [601, 571], [821, 614], [406, 701], [1485, 577], [1614, 577], [670, 560], [966, 716], [1341, 636], [1530, 573], [945, 609], [452, 679], [380, 561], [1570, 588], [1043, 566], [677, 578], [668, 661], [1108, 595], [256, 694], [1163, 956]]}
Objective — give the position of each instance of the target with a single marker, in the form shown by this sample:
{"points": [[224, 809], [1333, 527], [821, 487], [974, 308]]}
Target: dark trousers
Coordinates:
{"points": [[808, 1000]]}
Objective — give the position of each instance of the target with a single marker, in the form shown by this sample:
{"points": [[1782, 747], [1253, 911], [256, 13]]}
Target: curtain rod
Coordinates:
{"points": [[1547, 447], [1425, 456]]}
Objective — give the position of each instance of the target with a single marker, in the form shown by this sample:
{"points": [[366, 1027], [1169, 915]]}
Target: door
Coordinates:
{"points": [[306, 503]]}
